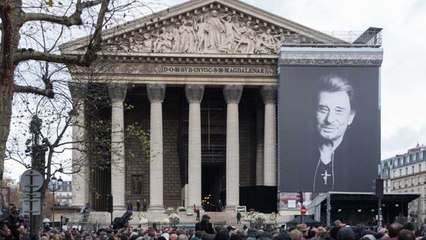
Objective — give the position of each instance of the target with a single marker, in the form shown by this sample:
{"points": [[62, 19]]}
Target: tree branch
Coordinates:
{"points": [[30, 54], [35, 90], [95, 42], [73, 19], [92, 48]]}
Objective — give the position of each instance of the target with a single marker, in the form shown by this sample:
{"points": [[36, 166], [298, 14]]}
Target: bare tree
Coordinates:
{"points": [[32, 30], [57, 116]]}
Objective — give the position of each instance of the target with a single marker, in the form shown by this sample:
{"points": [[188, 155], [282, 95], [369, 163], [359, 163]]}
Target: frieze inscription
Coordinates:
{"points": [[226, 70]]}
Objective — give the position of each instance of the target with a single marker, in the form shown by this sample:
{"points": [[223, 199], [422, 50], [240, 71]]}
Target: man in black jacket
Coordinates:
{"points": [[205, 225]]}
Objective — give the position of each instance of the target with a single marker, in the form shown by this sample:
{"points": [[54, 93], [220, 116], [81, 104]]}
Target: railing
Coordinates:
{"points": [[372, 37]]}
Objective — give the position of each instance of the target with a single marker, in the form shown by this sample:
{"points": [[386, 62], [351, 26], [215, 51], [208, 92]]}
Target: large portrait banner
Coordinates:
{"points": [[329, 128]]}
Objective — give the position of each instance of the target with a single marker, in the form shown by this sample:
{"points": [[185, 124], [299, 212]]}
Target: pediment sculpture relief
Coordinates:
{"points": [[210, 32]]}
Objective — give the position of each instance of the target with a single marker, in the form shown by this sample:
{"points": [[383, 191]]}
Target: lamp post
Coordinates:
{"points": [[56, 185]]}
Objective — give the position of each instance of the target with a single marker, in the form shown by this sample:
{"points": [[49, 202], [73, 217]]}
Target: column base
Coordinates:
{"points": [[77, 206], [192, 207], [157, 208], [229, 208], [118, 213], [119, 207]]}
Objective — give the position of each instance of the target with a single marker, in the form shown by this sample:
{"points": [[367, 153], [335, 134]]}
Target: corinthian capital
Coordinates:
{"points": [[156, 92], [117, 91], [232, 93]]}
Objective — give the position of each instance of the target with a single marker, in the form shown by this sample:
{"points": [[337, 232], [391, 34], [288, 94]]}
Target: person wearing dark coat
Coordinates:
{"points": [[205, 225], [238, 217], [138, 205]]}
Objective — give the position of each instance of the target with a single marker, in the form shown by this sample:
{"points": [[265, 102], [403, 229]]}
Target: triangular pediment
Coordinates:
{"points": [[205, 27]]}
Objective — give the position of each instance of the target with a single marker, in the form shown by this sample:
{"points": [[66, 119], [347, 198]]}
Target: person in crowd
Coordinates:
{"points": [[205, 225], [393, 231], [406, 234]]}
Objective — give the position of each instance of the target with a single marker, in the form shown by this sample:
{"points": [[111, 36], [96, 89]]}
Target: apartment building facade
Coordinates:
{"points": [[406, 173]]}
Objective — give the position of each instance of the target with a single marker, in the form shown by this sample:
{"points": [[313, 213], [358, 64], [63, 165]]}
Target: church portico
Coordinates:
{"points": [[201, 83], [169, 121]]}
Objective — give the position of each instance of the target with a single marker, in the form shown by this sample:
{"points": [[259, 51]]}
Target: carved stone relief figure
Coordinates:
{"points": [[265, 43], [176, 38], [187, 36], [147, 43], [279, 39], [163, 44], [245, 43], [200, 28], [214, 28], [228, 40]]}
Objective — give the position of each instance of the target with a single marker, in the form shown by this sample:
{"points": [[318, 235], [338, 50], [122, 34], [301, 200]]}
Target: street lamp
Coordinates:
{"points": [[56, 185]]}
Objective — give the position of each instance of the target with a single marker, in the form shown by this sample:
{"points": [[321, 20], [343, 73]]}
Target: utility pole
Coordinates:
{"points": [[37, 152], [379, 195]]}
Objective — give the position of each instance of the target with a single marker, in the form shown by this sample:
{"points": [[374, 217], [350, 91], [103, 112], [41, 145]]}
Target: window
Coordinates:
{"points": [[400, 172], [420, 167], [406, 170], [412, 169]]}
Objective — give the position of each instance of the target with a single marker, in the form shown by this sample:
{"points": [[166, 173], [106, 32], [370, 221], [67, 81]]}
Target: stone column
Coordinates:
{"points": [[260, 125], [117, 93], [269, 95], [194, 95], [232, 97], [156, 96], [81, 166]]}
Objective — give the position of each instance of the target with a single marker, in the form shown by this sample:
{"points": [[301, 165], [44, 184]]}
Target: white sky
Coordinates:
{"points": [[403, 73]]}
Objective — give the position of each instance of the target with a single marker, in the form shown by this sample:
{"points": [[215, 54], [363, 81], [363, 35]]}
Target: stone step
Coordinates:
{"points": [[103, 219]]}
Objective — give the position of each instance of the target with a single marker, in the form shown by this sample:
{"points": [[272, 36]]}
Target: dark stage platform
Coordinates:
{"points": [[360, 207]]}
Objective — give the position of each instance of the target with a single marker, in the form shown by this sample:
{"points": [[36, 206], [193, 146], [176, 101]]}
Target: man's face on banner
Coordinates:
{"points": [[334, 114]]}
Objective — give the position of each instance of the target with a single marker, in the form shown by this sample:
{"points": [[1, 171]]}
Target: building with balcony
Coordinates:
{"points": [[406, 173]]}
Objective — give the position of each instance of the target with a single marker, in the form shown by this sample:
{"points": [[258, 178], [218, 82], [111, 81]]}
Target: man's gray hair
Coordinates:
{"points": [[334, 83]]}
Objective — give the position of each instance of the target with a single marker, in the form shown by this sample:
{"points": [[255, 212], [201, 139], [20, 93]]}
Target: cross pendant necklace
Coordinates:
{"points": [[325, 176]]}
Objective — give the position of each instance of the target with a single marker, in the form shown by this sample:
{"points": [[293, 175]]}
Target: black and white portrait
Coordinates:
{"points": [[329, 128]]}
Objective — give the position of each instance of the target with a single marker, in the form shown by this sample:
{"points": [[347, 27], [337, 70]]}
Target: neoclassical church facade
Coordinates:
{"points": [[201, 77]]}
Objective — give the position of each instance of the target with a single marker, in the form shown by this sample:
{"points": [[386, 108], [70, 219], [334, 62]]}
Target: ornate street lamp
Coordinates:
{"points": [[56, 185]]}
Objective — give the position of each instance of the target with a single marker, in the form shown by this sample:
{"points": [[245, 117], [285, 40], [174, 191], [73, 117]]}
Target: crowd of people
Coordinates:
{"points": [[341, 231], [205, 230]]}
